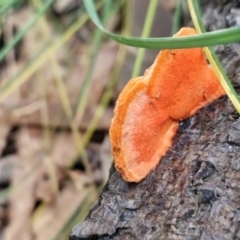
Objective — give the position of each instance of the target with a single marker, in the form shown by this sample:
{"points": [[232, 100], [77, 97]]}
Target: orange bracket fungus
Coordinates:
{"points": [[149, 108]]}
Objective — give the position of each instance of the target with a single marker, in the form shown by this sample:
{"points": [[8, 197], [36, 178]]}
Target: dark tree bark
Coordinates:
{"points": [[194, 193]]}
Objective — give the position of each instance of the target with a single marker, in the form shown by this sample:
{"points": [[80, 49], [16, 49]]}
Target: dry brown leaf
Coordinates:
{"points": [[26, 175], [36, 177], [64, 149], [26, 108], [22, 198]]}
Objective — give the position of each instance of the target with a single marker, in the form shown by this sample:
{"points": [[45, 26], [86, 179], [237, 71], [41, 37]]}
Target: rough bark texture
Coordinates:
{"points": [[194, 192]]}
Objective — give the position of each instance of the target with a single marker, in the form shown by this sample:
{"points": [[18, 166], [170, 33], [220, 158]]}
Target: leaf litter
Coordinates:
{"points": [[39, 191]]}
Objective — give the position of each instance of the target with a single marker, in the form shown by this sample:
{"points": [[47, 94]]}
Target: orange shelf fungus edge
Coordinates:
{"points": [[150, 107]]}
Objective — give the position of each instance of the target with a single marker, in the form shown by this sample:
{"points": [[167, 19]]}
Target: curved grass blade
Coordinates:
{"points": [[152, 7], [208, 39], [212, 57]]}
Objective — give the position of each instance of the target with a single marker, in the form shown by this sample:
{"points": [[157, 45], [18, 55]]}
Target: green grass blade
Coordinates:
{"points": [[7, 3], [4, 6], [208, 39], [109, 9], [41, 57], [212, 57], [152, 7], [24, 30], [83, 95], [177, 17], [121, 55]]}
